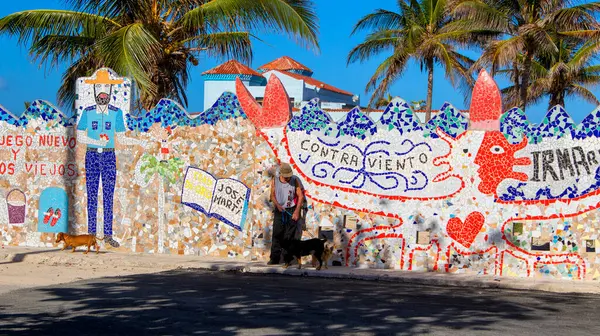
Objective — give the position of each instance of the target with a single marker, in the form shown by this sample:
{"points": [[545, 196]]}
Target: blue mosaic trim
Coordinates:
{"points": [[590, 126], [39, 109], [514, 124], [570, 192], [449, 120], [356, 124], [398, 115], [312, 119], [556, 124], [169, 113]]}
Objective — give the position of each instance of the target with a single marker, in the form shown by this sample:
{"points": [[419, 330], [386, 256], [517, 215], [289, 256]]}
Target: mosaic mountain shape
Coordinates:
{"points": [[399, 115], [448, 119], [312, 118], [356, 124], [39, 109], [514, 124], [590, 126], [170, 114], [557, 123]]}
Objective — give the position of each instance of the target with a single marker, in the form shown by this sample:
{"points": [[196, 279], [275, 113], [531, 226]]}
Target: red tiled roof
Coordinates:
{"points": [[312, 81], [284, 63], [232, 67]]}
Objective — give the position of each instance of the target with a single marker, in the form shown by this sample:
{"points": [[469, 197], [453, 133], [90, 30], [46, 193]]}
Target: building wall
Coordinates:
{"points": [[213, 89], [293, 87], [311, 92], [507, 207]]}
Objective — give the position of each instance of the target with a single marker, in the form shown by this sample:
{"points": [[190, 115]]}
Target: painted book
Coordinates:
{"points": [[225, 199]]}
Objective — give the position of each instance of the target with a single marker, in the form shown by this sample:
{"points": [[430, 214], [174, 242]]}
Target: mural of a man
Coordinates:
{"points": [[98, 128]]}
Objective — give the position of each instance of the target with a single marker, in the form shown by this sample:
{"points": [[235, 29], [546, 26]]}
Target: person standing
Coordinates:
{"points": [[287, 195], [98, 128]]}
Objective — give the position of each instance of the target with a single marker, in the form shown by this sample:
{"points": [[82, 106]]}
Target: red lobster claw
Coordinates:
{"points": [[275, 112]]}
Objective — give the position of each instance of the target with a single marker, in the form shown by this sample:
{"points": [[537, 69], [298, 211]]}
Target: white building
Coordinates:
{"points": [[297, 79]]}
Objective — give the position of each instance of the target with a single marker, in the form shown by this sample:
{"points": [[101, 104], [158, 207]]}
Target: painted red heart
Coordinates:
{"points": [[465, 233]]}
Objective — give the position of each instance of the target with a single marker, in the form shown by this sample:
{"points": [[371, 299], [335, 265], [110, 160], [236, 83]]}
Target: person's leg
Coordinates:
{"points": [[92, 178], [290, 226], [109, 177], [277, 238]]}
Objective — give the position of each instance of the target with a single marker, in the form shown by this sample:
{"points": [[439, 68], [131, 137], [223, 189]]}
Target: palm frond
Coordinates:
{"points": [[34, 25], [385, 74], [228, 45], [584, 93], [373, 45], [583, 55], [128, 11], [297, 18], [381, 19], [55, 49], [83, 67], [482, 16], [133, 51]]}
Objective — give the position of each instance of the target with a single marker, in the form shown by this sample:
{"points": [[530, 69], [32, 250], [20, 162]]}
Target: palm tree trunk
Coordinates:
{"points": [[161, 214], [516, 78], [556, 99], [525, 81], [429, 90]]}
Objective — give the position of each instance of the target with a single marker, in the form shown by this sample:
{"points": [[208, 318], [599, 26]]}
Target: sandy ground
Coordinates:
{"points": [[29, 267]]}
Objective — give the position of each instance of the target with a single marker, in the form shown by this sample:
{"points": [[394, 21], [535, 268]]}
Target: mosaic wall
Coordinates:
{"points": [[491, 195], [46, 169]]}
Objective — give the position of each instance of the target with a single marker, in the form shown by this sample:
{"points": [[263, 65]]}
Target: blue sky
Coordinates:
{"points": [[23, 80]]}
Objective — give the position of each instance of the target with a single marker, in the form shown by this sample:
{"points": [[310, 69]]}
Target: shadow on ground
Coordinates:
{"points": [[192, 302], [19, 257]]}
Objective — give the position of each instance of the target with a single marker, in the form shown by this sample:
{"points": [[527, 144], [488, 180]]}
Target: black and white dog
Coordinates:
{"points": [[296, 249]]}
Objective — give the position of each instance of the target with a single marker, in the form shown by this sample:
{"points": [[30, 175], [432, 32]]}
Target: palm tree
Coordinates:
{"points": [[422, 30], [166, 171], [153, 41], [527, 28], [417, 104], [384, 101], [567, 72]]}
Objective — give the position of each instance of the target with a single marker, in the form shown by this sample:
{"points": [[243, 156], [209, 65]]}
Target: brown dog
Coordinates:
{"points": [[79, 240]]}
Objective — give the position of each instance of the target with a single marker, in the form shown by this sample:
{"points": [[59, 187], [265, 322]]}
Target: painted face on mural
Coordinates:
{"points": [[485, 159], [102, 92], [496, 159], [462, 155]]}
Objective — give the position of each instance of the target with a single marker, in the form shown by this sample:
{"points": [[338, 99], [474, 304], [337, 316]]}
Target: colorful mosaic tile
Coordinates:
{"points": [[356, 124], [170, 114], [398, 115], [465, 190], [556, 124], [39, 109], [312, 119], [449, 120]]}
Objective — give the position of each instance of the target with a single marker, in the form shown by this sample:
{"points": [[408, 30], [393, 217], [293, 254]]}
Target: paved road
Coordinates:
{"points": [[193, 302]]}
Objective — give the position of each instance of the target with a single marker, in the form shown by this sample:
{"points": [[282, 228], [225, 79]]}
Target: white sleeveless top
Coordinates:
{"points": [[285, 193]]}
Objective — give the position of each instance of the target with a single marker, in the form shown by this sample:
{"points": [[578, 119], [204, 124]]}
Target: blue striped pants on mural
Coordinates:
{"points": [[100, 166]]}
